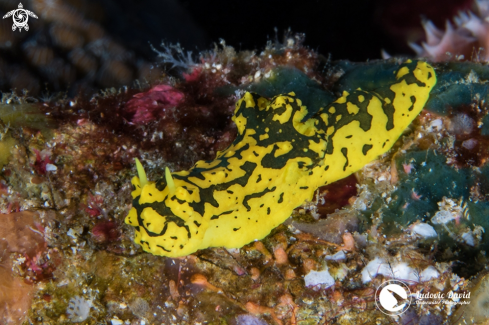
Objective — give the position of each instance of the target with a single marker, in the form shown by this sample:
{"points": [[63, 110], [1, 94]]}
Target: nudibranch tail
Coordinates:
{"points": [[276, 163]]}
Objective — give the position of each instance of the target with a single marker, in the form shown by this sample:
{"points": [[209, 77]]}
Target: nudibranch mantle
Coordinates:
{"points": [[275, 164]]}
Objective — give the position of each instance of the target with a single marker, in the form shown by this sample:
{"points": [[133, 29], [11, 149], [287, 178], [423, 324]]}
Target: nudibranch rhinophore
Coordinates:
{"points": [[275, 164]]}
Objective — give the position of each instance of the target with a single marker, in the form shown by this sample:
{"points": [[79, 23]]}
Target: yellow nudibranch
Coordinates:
{"points": [[275, 164]]}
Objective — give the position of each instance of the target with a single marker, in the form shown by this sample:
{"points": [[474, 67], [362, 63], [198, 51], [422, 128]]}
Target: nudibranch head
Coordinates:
{"points": [[283, 152], [164, 219]]}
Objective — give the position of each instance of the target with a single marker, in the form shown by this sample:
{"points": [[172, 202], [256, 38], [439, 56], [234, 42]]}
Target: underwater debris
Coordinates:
{"points": [[339, 256], [423, 229], [400, 271], [449, 210], [246, 319], [319, 279], [428, 274]]}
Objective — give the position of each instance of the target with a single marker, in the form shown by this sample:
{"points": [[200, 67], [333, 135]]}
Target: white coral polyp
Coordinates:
{"points": [[78, 309]]}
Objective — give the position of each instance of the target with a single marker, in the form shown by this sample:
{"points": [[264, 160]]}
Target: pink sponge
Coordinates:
{"points": [[153, 104]]}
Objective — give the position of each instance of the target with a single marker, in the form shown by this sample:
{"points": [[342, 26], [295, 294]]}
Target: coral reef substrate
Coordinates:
{"points": [[417, 213]]}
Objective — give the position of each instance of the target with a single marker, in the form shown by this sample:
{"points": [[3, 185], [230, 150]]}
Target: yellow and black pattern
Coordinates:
{"points": [[276, 163]]}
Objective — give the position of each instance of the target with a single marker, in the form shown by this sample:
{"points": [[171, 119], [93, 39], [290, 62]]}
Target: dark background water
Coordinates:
{"points": [[351, 29], [81, 46]]}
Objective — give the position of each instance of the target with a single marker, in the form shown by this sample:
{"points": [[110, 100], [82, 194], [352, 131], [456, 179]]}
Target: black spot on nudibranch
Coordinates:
{"points": [[163, 248], [281, 198], [344, 151], [413, 100], [236, 229], [256, 195], [214, 217], [173, 198], [189, 191], [366, 148]]}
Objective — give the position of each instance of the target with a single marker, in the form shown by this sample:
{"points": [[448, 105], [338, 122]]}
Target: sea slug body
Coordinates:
{"points": [[281, 155]]}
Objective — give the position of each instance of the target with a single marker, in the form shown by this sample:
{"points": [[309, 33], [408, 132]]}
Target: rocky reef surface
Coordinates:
{"points": [[418, 213]]}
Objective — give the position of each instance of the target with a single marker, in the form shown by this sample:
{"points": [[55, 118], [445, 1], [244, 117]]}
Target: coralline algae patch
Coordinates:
{"points": [[90, 271], [431, 192]]}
